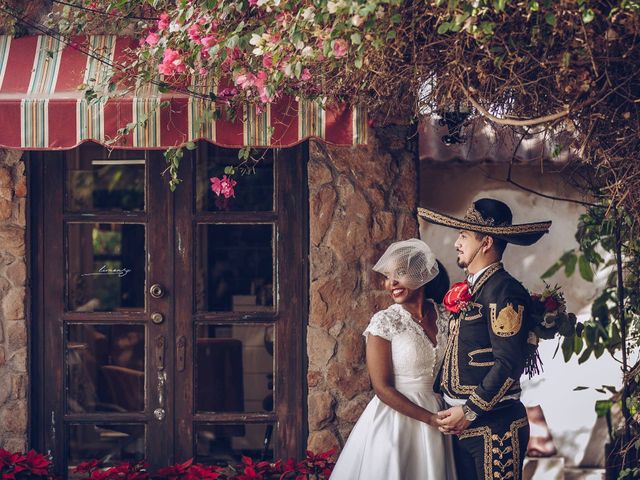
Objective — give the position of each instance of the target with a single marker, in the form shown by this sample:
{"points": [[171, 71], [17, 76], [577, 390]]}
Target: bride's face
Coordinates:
{"points": [[399, 292]]}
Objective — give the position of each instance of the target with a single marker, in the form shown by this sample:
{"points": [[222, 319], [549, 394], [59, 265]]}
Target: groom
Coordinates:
{"points": [[487, 350]]}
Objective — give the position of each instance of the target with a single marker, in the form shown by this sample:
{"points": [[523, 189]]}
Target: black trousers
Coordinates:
{"points": [[493, 447]]}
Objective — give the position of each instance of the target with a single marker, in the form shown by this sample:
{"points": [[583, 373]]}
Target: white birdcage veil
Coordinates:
{"points": [[410, 262]]}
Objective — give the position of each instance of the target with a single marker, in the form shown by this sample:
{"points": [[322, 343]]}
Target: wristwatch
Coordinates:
{"points": [[468, 413]]}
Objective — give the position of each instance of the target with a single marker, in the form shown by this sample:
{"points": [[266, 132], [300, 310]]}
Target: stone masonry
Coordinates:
{"points": [[360, 200], [13, 281]]}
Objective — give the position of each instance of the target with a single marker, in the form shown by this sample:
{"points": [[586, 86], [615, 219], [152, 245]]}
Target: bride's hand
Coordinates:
{"points": [[431, 419]]}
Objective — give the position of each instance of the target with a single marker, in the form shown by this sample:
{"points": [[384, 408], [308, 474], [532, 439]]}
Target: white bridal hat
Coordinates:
{"points": [[410, 262]]}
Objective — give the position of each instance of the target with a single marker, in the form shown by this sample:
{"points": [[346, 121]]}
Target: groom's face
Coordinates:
{"points": [[467, 244]]}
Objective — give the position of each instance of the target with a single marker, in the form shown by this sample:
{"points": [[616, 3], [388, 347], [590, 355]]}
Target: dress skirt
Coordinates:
{"points": [[387, 445]]}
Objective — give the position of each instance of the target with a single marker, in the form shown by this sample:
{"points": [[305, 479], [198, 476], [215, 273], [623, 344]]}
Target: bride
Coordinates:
{"points": [[397, 437]]}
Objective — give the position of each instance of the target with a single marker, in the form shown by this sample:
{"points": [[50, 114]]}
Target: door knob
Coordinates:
{"points": [[156, 290]]}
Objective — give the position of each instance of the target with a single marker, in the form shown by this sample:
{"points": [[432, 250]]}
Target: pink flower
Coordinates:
{"points": [[228, 92], [340, 47], [152, 39], [171, 63], [267, 61], [208, 41], [245, 80], [253, 3], [306, 75], [163, 23], [203, 71], [223, 186], [194, 33]]}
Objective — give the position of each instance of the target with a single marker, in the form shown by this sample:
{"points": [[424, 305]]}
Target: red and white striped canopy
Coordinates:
{"points": [[43, 107]]}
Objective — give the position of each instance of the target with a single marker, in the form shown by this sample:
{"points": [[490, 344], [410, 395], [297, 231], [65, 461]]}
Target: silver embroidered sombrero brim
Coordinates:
{"points": [[520, 234]]}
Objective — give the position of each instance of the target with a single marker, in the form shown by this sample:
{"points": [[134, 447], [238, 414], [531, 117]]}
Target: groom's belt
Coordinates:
{"points": [[458, 402]]}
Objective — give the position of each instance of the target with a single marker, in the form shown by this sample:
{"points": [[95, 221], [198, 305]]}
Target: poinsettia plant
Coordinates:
{"points": [[312, 467], [16, 465]]}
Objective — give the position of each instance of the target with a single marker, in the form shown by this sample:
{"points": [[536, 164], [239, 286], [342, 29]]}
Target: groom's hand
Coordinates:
{"points": [[452, 421]]}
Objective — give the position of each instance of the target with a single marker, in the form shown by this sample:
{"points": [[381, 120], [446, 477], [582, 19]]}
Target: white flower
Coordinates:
{"points": [[262, 2], [288, 71], [299, 45], [174, 27], [258, 51], [357, 20], [255, 39], [308, 13], [307, 51], [332, 7]]}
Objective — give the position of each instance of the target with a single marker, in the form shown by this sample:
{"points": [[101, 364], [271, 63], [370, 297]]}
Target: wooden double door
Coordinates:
{"points": [[167, 325]]}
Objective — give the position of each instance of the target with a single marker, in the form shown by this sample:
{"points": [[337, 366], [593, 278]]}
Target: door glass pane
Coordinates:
{"points": [[106, 266], [106, 185], [110, 443], [234, 368], [234, 268], [105, 368], [254, 181], [223, 444]]}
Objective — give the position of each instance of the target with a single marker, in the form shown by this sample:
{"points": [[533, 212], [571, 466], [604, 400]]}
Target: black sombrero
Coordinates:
{"points": [[491, 217]]}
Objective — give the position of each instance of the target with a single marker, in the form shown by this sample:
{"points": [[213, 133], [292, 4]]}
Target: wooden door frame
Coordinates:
{"points": [[291, 220], [50, 410], [293, 199]]}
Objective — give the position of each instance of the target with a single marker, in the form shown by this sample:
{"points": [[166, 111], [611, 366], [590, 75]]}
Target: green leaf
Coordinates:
{"points": [[396, 18], [577, 389], [550, 18], [358, 63], [391, 35], [356, 38], [191, 145], [570, 264], [588, 16], [553, 269], [603, 407], [585, 355], [444, 28], [585, 269]]}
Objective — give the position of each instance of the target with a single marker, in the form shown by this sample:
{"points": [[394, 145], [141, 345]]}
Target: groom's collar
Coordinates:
{"points": [[479, 278]]}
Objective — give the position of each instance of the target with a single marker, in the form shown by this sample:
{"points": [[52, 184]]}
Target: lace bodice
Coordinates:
{"points": [[412, 352]]}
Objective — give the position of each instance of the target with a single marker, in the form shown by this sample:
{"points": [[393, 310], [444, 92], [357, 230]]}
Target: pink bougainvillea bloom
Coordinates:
{"points": [[340, 47], [171, 63], [228, 92], [203, 71], [306, 75], [152, 39], [267, 61], [208, 41], [194, 33], [164, 21], [223, 186], [253, 3], [245, 80]]}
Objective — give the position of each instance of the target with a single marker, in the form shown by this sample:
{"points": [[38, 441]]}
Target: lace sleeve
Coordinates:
{"points": [[383, 324], [444, 318]]}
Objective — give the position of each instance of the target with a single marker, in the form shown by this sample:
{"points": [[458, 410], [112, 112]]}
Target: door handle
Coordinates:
{"points": [[156, 290], [159, 412]]}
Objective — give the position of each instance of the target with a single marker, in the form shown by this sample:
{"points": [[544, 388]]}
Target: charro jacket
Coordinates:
{"points": [[486, 351]]}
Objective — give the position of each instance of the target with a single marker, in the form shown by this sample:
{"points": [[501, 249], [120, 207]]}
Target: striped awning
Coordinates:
{"points": [[42, 105]]}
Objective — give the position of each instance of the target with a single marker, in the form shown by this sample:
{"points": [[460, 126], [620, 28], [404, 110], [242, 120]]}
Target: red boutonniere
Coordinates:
{"points": [[457, 297]]}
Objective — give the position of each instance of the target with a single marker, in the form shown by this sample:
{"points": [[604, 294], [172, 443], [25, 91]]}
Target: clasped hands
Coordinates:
{"points": [[452, 421]]}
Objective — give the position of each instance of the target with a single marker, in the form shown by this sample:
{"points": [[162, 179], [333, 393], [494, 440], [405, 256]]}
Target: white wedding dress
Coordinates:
{"points": [[385, 444]]}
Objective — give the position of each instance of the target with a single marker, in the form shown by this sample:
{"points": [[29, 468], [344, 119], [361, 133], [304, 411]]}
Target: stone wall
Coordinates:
{"points": [[361, 200], [13, 280]]}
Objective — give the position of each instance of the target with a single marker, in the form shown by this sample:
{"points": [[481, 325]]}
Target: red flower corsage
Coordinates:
{"points": [[457, 297]]}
